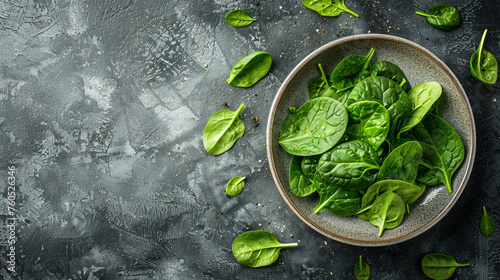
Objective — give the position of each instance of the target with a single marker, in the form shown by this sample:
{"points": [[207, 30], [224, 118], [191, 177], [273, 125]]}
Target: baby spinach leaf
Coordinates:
{"points": [[385, 91], [328, 8], [314, 128], [392, 71], [408, 192], [443, 16], [361, 270], [239, 18], [319, 86], [374, 119], [443, 151], [351, 70], [483, 64], [250, 69], [352, 165], [402, 163], [258, 248], [300, 184], [387, 211], [421, 97], [486, 224], [440, 266], [309, 165], [340, 201], [222, 130], [235, 186]]}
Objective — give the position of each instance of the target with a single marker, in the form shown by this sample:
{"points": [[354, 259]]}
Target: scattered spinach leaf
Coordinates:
{"points": [[443, 16], [314, 128], [250, 69], [443, 151], [387, 211], [487, 225], [222, 130], [361, 270], [258, 248], [439, 266], [239, 18], [300, 184], [328, 8], [483, 64], [235, 186]]}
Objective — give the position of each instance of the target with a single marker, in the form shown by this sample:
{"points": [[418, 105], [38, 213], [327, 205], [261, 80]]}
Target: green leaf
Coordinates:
{"points": [[402, 163], [329, 8], [353, 165], [422, 97], [250, 69], [300, 184], [487, 225], [443, 151], [374, 119], [338, 200], [392, 71], [239, 18], [443, 16], [387, 211], [407, 191], [361, 270], [309, 165], [222, 130], [439, 266], [314, 128], [483, 64], [235, 186], [258, 248], [351, 70]]}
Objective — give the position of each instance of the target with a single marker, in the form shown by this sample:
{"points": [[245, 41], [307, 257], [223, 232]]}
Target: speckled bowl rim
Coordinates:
{"points": [[269, 140]]}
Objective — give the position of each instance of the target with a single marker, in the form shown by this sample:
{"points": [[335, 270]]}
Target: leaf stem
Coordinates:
{"points": [[425, 164], [239, 109], [480, 50], [421, 13], [323, 76], [285, 245]]}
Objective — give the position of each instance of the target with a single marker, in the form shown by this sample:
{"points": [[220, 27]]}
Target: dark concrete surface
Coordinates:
{"points": [[102, 108]]}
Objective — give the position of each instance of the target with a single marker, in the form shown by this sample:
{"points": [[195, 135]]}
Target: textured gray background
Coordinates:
{"points": [[103, 104]]}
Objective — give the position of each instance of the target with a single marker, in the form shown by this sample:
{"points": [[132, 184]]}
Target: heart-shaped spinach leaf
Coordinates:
{"points": [[486, 224], [328, 8], [222, 130], [374, 120], [483, 64], [440, 266], [340, 201], [351, 70], [387, 211], [239, 18], [442, 16], [235, 186], [361, 270], [250, 69], [402, 163]]}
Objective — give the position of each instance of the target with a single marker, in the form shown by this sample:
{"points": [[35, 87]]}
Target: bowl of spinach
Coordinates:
{"points": [[371, 140]]}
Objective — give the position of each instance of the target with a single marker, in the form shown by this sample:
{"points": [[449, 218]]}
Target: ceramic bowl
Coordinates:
{"points": [[419, 65]]}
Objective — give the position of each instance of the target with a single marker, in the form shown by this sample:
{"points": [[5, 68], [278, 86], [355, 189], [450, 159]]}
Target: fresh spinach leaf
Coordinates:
{"points": [[235, 186], [442, 16], [314, 128], [250, 69], [300, 184], [222, 130], [408, 192], [340, 201], [443, 151], [239, 18], [440, 266], [402, 163], [387, 211], [352, 165], [486, 224], [258, 248], [319, 86], [392, 71], [374, 119], [328, 8], [361, 270], [421, 97], [483, 64], [309, 165], [351, 70], [385, 91]]}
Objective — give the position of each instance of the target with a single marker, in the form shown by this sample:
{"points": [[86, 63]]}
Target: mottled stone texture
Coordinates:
{"points": [[102, 108]]}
